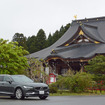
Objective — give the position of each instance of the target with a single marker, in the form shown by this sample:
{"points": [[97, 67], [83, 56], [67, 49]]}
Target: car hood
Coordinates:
{"points": [[35, 84]]}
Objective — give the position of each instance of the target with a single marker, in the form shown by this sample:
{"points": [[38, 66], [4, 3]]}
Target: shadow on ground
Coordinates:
{"points": [[25, 99]]}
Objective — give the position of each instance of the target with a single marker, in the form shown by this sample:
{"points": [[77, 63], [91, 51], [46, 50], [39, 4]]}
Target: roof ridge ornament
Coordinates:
{"points": [[75, 16], [53, 51]]}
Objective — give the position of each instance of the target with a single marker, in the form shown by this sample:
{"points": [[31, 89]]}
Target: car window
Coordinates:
{"points": [[6, 78], [21, 78], [1, 78]]}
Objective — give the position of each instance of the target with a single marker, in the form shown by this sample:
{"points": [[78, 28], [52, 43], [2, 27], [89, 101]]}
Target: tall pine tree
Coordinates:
{"points": [[58, 34], [21, 39], [39, 42], [41, 39], [49, 40], [32, 44]]}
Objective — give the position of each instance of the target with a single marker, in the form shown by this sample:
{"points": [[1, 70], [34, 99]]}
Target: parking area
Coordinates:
{"points": [[56, 100]]}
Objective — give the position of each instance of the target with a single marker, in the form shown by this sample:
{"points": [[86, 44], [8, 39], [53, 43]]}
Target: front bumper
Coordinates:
{"points": [[36, 92]]}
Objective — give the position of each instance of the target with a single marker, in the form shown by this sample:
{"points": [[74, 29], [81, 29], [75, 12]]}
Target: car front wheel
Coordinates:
{"points": [[43, 97], [19, 93]]}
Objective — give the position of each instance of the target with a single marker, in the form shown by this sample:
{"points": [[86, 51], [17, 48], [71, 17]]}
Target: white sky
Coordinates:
{"points": [[28, 16]]}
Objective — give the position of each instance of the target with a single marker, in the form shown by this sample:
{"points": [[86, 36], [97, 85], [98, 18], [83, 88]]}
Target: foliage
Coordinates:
{"points": [[40, 41], [36, 43], [53, 88], [78, 82], [21, 39], [61, 83], [36, 70], [50, 40], [96, 66], [12, 60], [56, 35], [67, 93], [32, 44]]}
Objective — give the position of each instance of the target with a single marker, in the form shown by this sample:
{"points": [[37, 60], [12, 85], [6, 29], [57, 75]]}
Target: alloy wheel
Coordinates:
{"points": [[19, 93]]}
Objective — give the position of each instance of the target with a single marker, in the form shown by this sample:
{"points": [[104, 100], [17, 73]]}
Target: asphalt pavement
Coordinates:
{"points": [[56, 100]]}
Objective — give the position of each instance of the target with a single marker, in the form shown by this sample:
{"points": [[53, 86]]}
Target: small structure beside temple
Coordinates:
{"points": [[83, 40]]}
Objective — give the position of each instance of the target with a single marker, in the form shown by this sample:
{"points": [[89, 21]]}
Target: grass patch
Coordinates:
{"points": [[67, 93]]}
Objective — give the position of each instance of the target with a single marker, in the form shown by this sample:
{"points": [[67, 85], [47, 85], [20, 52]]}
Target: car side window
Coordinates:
{"points": [[6, 78], [1, 78]]}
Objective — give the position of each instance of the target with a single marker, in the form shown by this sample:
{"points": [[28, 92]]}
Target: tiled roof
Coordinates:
{"points": [[94, 28]]}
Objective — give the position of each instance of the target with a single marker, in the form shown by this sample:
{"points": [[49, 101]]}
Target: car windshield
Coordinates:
{"points": [[21, 78]]}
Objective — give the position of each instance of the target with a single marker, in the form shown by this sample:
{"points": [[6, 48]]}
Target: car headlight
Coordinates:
{"points": [[28, 87]]}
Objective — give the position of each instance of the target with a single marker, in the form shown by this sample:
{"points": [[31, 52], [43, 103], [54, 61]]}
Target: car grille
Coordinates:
{"points": [[41, 88]]}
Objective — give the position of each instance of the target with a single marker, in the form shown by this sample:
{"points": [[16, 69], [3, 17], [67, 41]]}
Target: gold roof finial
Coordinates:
{"points": [[75, 16]]}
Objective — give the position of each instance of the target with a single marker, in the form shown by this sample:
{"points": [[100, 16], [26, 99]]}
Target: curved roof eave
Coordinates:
{"points": [[68, 35], [84, 51]]}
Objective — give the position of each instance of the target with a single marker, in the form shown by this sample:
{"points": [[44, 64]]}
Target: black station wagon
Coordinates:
{"points": [[20, 86]]}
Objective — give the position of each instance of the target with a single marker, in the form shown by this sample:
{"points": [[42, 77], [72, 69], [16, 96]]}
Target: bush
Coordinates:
{"points": [[79, 82], [53, 88]]}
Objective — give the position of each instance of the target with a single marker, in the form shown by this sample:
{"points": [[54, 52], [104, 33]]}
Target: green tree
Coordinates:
{"points": [[49, 40], [12, 60], [57, 34], [32, 44], [96, 66], [21, 39], [66, 27], [41, 39], [38, 42]]}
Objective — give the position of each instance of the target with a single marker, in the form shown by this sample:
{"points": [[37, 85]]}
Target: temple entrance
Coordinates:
{"points": [[75, 66], [60, 67]]}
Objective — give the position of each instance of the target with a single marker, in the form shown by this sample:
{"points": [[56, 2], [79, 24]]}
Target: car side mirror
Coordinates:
{"points": [[9, 81]]}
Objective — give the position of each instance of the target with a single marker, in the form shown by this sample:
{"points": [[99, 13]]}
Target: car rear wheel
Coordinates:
{"points": [[19, 93], [43, 97]]}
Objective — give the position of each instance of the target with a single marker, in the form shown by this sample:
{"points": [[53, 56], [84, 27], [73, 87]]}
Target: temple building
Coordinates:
{"points": [[82, 41]]}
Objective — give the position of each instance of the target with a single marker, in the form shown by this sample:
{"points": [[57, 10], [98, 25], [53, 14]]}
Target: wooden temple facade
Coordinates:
{"points": [[83, 40]]}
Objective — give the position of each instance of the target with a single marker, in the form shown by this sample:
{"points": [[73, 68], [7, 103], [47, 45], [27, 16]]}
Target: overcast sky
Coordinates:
{"points": [[28, 16]]}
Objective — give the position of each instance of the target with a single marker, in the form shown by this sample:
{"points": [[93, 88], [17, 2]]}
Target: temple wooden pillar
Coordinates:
{"points": [[82, 64]]}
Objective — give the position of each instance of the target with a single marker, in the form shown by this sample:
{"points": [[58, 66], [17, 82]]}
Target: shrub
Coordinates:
{"points": [[79, 82], [53, 88]]}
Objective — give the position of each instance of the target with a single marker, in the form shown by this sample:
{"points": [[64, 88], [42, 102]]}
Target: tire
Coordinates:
{"points": [[43, 97], [19, 93]]}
